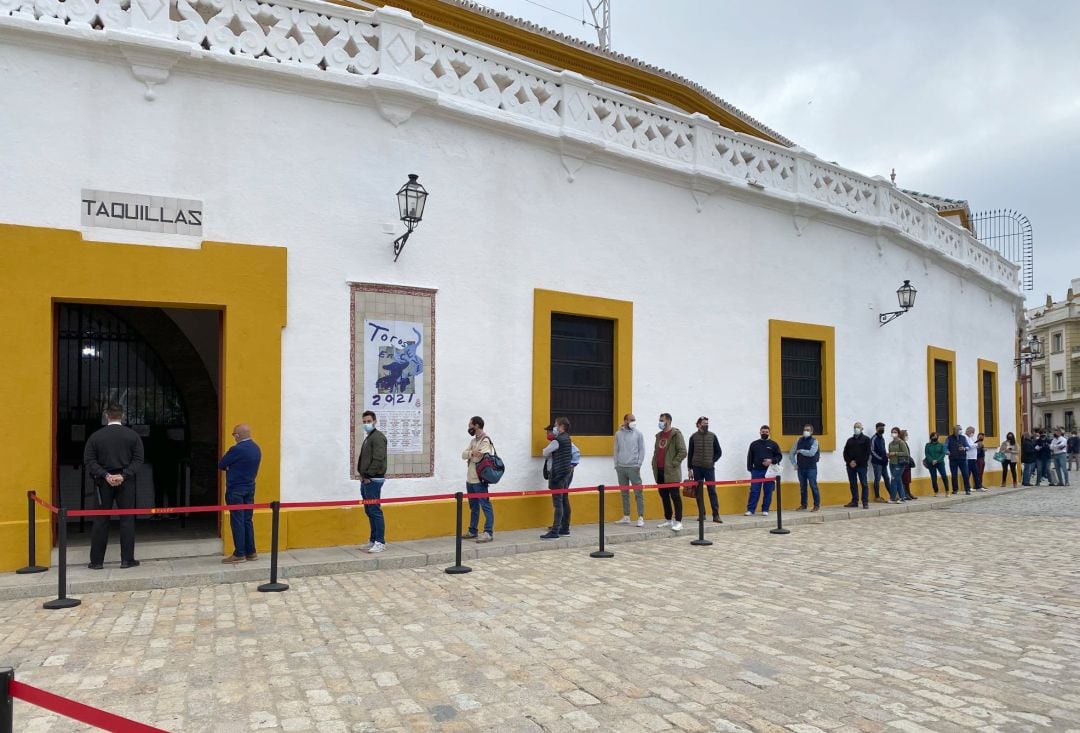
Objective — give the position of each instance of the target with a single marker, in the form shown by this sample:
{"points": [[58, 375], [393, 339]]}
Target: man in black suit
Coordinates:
{"points": [[113, 456]]}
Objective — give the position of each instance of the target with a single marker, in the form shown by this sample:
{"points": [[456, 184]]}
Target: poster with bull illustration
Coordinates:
{"points": [[394, 381]]}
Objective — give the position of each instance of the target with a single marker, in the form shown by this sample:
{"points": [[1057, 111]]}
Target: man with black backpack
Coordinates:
{"points": [[478, 447]]}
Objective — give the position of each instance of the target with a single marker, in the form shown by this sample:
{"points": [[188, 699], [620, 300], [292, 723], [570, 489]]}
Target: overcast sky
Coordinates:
{"points": [[971, 99]]}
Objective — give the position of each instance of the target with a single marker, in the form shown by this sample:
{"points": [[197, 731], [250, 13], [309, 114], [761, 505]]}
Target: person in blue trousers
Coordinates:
{"points": [[372, 469], [956, 445], [805, 454], [241, 465], [762, 453], [478, 447]]}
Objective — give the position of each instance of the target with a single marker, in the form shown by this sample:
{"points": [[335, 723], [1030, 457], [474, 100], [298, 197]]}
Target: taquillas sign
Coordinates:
{"points": [[139, 212]]}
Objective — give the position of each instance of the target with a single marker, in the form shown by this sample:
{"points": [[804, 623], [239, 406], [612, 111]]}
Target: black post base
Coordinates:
{"points": [[61, 603], [30, 569], [601, 553], [701, 543], [272, 587], [780, 530], [458, 570]]}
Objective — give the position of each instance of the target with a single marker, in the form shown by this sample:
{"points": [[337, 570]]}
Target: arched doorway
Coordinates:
{"points": [[162, 366]]}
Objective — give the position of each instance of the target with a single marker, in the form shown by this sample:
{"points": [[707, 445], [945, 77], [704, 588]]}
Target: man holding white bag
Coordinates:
{"points": [[762, 461]]}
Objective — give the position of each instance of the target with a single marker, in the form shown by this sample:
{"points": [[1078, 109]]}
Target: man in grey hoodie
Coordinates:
{"points": [[629, 455]]}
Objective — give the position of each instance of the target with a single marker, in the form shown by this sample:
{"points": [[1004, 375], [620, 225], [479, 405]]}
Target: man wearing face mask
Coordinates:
{"points": [[762, 454], [704, 451], [669, 451], [629, 455], [372, 469], [957, 447], [856, 456], [805, 456], [478, 447], [561, 452], [879, 460]]}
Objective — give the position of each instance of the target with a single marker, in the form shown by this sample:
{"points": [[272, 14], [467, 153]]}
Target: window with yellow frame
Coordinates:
{"points": [[564, 308], [802, 386], [940, 390], [989, 417]]}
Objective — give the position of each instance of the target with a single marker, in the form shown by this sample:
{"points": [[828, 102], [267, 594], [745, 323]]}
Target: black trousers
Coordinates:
{"points": [[669, 497], [124, 498]]}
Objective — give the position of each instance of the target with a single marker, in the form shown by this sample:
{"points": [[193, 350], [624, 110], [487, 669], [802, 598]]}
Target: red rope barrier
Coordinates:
{"points": [[77, 710], [388, 500], [38, 500]]}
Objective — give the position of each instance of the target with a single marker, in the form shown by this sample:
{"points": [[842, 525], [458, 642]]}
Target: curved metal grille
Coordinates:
{"points": [[1009, 233]]}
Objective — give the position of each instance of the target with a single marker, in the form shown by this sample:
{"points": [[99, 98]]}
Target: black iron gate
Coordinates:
{"points": [[101, 359]]}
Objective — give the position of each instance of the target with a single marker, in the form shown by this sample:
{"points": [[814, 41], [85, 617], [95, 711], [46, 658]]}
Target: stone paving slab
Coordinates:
{"points": [[301, 563], [938, 621]]}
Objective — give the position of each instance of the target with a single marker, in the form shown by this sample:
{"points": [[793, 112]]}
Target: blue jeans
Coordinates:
{"points": [[961, 465], [1042, 470], [1061, 463], [560, 521], [1029, 469], [859, 472], [896, 485], [372, 489], [755, 492], [936, 468], [808, 476], [243, 528], [881, 471], [475, 505]]}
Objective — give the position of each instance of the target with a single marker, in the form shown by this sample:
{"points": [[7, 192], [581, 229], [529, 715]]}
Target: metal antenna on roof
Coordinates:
{"points": [[601, 15]]}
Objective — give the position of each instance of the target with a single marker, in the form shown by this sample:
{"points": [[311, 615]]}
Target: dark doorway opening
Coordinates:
{"points": [[162, 365]]}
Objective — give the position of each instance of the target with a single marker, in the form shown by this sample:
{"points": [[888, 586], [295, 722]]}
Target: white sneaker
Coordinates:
{"points": [[764, 514], [624, 520], [748, 514], [676, 526], [662, 525], [377, 547], [366, 546], [641, 521]]}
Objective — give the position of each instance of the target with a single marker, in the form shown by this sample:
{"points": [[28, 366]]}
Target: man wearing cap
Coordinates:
{"points": [[704, 451]]}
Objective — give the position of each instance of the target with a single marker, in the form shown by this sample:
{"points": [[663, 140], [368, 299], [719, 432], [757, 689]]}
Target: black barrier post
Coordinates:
{"points": [[457, 568], [61, 600], [780, 528], [31, 527], [7, 707], [274, 586], [701, 541], [601, 552]]}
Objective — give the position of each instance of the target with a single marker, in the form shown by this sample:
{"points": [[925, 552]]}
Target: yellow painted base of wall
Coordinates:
{"points": [[404, 522], [13, 543]]}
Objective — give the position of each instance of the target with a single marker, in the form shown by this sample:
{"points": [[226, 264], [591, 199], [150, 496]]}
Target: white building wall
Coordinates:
{"points": [[316, 173]]}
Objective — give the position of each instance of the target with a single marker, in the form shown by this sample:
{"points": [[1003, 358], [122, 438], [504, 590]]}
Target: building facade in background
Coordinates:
{"points": [[1055, 375], [196, 220]]}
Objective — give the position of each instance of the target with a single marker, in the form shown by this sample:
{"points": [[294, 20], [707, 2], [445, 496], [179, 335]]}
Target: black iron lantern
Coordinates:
{"points": [[905, 295], [411, 199], [1034, 346]]}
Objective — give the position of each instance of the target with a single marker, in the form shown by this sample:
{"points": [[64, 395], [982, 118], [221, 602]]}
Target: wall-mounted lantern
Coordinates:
{"points": [[905, 295], [411, 198]]}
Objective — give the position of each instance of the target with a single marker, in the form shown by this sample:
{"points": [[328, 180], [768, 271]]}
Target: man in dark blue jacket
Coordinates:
{"points": [[763, 453], [879, 460], [241, 465], [956, 445]]}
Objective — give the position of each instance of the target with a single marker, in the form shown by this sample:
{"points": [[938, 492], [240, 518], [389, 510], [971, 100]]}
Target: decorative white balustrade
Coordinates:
{"points": [[389, 44]]}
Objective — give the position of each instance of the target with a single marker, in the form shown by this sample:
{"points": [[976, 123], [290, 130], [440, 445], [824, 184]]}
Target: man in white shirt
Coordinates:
{"points": [[1059, 447], [972, 455]]}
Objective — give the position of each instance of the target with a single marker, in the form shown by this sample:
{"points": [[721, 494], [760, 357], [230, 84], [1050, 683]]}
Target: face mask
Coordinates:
{"points": [[660, 426], [895, 435], [472, 431], [368, 427], [806, 433], [632, 424], [555, 430], [881, 431], [764, 436], [858, 431]]}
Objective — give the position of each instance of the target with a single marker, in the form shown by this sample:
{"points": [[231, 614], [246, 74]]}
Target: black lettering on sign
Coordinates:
{"points": [[102, 210], [196, 216], [113, 211], [180, 217], [89, 206]]}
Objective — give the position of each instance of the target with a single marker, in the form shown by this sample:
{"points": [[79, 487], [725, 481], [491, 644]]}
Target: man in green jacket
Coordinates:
{"points": [[934, 458], [372, 469], [669, 451]]}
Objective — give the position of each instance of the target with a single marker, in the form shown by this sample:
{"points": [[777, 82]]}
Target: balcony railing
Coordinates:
{"points": [[408, 64]]}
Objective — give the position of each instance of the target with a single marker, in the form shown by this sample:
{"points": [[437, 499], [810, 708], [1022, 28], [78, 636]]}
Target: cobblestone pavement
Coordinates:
{"points": [[964, 619]]}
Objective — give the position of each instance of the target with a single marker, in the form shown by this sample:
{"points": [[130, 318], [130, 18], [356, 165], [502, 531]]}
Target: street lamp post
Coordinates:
{"points": [[905, 296], [411, 199], [1030, 350]]}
